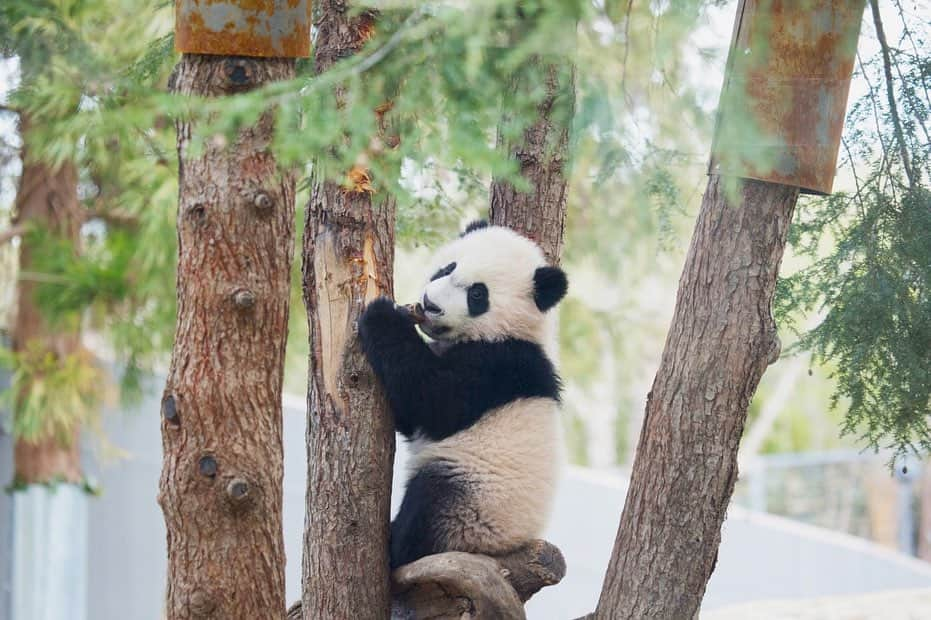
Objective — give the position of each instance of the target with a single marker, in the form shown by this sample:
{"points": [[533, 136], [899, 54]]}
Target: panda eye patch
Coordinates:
{"points": [[445, 271], [478, 299]]}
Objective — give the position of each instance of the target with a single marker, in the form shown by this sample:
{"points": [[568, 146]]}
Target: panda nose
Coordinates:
{"points": [[430, 307]]}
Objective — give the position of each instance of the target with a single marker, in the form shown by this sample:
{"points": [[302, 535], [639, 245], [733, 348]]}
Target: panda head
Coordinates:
{"points": [[491, 284]]}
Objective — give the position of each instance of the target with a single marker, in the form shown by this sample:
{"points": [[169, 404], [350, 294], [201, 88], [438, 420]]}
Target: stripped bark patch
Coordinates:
{"points": [[332, 307], [358, 181]]}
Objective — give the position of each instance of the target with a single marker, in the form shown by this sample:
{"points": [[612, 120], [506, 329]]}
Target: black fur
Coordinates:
{"points": [[444, 271], [440, 395], [549, 286], [477, 298], [476, 225], [432, 495]]}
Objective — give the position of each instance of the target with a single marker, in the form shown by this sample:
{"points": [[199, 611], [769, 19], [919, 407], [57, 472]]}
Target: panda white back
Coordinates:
{"points": [[483, 414]]}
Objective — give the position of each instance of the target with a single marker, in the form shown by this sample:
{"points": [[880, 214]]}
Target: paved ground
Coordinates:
{"points": [[762, 558], [892, 605]]}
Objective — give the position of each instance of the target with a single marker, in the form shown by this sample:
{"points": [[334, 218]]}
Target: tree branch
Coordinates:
{"points": [[627, 98], [447, 585], [11, 232], [113, 217], [917, 54], [890, 93], [160, 158]]}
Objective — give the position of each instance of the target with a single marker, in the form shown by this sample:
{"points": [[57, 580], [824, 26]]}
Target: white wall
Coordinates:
{"points": [[761, 556]]}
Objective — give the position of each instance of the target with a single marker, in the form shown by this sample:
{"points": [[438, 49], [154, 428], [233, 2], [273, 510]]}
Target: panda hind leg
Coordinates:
{"points": [[422, 525]]}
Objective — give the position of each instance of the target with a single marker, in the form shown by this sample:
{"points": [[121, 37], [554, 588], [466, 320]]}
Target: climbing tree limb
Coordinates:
{"points": [[447, 585]]}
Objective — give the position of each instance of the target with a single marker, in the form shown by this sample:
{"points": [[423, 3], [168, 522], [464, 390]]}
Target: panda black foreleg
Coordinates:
{"points": [[402, 361], [422, 526]]}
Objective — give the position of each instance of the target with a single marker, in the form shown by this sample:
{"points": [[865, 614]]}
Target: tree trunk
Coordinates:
{"points": [[540, 214], [924, 523], [47, 198], [221, 479], [721, 339], [542, 155], [347, 262]]}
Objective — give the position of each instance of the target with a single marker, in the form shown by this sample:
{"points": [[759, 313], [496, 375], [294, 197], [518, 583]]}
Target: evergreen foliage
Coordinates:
{"points": [[869, 252], [95, 73], [62, 393]]}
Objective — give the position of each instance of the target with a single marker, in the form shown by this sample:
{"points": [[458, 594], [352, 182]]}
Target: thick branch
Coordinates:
{"points": [[721, 340], [450, 585], [447, 585]]}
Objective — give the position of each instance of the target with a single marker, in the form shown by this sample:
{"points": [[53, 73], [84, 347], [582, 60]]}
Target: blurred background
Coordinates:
{"points": [[832, 510]]}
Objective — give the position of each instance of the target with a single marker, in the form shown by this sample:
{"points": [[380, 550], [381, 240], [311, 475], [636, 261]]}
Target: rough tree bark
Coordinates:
{"points": [[457, 585], [721, 340], [446, 586], [348, 260], [48, 198], [221, 484], [542, 155]]}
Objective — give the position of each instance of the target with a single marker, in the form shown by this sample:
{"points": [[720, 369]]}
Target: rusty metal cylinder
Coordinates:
{"points": [[785, 91], [263, 28]]}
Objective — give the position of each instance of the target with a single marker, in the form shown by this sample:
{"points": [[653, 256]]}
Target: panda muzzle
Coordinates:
{"points": [[430, 307]]}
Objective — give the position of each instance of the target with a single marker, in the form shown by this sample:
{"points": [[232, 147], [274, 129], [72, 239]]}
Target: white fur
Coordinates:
{"points": [[505, 262], [510, 462]]}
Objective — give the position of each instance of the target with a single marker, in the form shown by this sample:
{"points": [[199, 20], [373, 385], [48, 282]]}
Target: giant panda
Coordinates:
{"points": [[480, 404]]}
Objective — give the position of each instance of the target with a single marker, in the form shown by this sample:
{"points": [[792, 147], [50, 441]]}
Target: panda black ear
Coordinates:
{"points": [[476, 225], [549, 286]]}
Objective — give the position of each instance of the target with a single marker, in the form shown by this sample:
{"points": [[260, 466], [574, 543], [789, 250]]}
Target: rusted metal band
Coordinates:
{"points": [[263, 28], [785, 94]]}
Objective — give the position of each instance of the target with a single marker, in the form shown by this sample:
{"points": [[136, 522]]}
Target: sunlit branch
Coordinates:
{"points": [[908, 35], [890, 93]]}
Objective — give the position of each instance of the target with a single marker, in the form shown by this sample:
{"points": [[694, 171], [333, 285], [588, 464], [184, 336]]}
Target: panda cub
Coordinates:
{"points": [[480, 405]]}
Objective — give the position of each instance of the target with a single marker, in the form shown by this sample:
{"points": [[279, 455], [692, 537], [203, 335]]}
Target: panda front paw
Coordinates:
{"points": [[380, 319], [379, 306]]}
